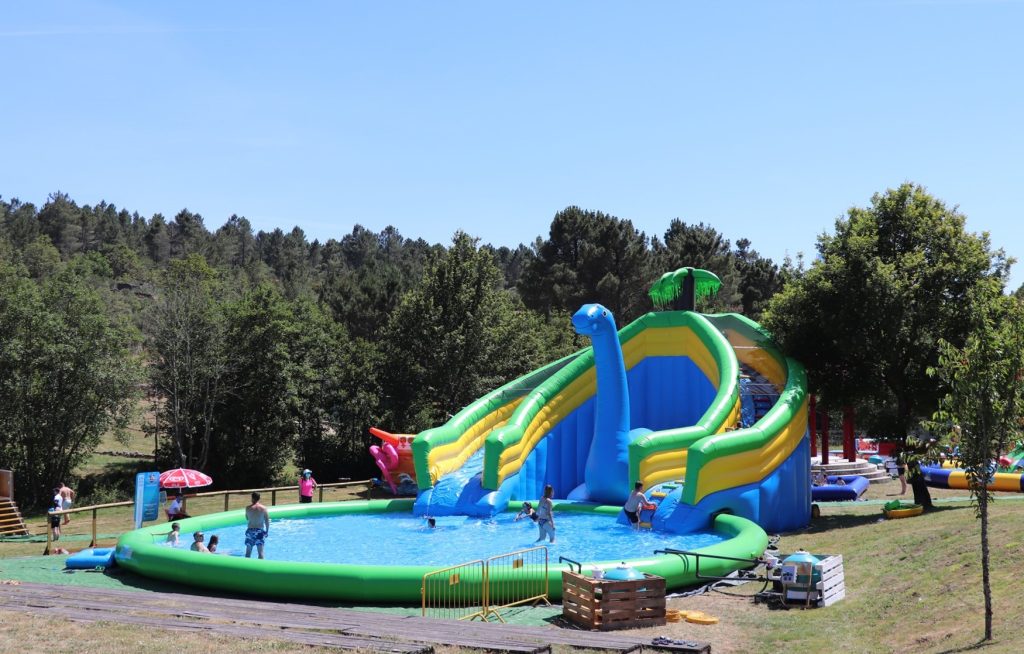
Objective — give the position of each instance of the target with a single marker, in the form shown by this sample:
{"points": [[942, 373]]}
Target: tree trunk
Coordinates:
{"points": [[985, 584]]}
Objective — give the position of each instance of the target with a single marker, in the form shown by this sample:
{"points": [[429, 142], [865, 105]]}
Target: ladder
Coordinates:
{"points": [[11, 522]]}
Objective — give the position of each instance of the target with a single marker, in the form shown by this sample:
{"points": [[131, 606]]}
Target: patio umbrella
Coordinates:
{"points": [[184, 478]]}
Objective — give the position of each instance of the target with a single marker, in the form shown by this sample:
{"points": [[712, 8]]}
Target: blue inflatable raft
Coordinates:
{"points": [[90, 559]]}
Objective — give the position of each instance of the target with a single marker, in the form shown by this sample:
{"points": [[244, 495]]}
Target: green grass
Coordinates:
{"points": [[913, 585]]}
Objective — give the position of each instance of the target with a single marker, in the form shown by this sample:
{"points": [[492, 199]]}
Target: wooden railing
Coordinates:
{"points": [[95, 509]]}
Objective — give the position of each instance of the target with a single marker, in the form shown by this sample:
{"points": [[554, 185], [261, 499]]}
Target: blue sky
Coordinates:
{"points": [[766, 120]]}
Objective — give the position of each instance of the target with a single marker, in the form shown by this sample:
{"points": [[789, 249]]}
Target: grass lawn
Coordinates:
{"points": [[912, 585]]}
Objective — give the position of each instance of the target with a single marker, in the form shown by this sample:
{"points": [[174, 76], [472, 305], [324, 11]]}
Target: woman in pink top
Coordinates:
{"points": [[306, 486]]}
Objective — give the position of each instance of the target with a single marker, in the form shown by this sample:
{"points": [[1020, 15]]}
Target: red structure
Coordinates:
{"points": [[849, 449], [812, 423], [824, 438]]}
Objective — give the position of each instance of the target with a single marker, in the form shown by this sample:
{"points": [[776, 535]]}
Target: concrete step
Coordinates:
{"points": [[872, 472]]}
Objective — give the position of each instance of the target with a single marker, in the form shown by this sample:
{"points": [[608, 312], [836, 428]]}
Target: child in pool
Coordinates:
{"points": [[214, 542], [172, 536], [526, 512]]}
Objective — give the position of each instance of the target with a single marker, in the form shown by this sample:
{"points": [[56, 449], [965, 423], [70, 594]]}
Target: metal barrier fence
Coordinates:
{"points": [[480, 589], [456, 593]]}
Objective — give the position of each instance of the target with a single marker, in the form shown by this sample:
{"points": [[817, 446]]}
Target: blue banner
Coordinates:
{"points": [[147, 497]]}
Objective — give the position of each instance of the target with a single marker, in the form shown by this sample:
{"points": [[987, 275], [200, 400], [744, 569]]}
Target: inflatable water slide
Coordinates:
{"points": [[703, 410]]}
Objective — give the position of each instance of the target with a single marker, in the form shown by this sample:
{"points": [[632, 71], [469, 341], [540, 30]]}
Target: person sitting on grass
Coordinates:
{"points": [[174, 534]]}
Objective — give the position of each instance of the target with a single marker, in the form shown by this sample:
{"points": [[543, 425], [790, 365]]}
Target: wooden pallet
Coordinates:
{"points": [[11, 522], [604, 604], [831, 586]]}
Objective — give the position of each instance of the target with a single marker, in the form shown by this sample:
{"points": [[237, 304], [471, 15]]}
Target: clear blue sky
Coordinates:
{"points": [[766, 120]]}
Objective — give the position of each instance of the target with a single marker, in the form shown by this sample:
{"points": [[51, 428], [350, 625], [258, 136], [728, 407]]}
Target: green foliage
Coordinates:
{"points": [[66, 376], [263, 346], [255, 415], [867, 317], [588, 256], [984, 408], [983, 411], [40, 258], [760, 279], [189, 362], [365, 275], [453, 337]]}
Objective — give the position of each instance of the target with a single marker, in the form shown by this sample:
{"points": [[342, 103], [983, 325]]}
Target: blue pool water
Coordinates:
{"points": [[402, 539]]}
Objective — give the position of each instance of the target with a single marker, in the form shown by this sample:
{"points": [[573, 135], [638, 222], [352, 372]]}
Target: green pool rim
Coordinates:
{"points": [[142, 552]]}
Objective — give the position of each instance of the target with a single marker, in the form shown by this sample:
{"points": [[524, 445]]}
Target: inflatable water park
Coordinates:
{"points": [[702, 410]]}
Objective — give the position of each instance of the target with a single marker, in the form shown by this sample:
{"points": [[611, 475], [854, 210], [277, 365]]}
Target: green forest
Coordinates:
{"points": [[243, 353]]}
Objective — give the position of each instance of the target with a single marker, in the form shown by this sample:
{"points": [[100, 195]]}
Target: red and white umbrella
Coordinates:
{"points": [[184, 478]]}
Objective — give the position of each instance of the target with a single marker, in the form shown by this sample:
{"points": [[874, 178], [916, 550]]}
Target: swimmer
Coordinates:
{"points": [[197, 543], [174, 533], [526, 512]]}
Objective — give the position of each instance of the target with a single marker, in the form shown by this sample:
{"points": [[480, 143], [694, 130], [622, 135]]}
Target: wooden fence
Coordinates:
{"points": [[95, 509]]}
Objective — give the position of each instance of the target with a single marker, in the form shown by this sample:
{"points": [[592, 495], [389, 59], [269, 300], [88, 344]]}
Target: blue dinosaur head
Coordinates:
{"points": [[592, 318]]}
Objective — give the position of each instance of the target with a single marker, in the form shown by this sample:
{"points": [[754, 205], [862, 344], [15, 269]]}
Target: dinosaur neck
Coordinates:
{"points": [[612, 391]]}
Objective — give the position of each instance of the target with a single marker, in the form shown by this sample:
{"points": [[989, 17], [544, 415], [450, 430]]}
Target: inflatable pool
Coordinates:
{"points": [[90, 559], [853, 487], [903, 511], [395, 574]]}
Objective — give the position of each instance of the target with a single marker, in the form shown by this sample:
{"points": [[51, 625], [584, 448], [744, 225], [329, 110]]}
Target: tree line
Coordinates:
{"points": [[248, 350]]}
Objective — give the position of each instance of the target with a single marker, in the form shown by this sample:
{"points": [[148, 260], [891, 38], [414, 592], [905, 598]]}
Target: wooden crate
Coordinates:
{"points": [[604, 604], [830, 589]]}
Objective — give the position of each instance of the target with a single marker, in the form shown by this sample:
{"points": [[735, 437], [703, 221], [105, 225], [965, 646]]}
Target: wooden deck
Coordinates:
{"points": [[300, 623]]}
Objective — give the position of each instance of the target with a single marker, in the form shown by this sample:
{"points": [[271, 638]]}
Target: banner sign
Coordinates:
{"points": [[147, 497]]}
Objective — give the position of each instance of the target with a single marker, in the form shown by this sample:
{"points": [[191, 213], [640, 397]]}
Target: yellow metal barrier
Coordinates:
{"points": [[456, 593], [516, 578], [478, 589]]}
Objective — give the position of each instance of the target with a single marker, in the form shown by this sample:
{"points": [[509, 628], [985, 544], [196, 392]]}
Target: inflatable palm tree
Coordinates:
{"points": [[681, 289]]}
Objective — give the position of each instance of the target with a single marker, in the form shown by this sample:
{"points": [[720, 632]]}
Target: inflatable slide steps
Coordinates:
{"points": [[763, 394], [655, 496]]}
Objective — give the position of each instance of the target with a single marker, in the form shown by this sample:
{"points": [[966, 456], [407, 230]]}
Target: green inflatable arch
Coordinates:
{"points": [[142, 551]]}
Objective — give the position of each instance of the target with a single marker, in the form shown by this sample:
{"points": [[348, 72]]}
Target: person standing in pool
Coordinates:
{"points": [[634, 503], [546, 516], [258, 526]]}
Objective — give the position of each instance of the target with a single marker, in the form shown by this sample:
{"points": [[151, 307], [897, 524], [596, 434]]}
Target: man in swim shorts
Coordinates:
{"points": [[67, 496], [634, 503], [259, 526]]}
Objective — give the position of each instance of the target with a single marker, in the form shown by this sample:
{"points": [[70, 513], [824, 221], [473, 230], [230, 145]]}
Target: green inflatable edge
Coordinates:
{"points": [[141, 552]]}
